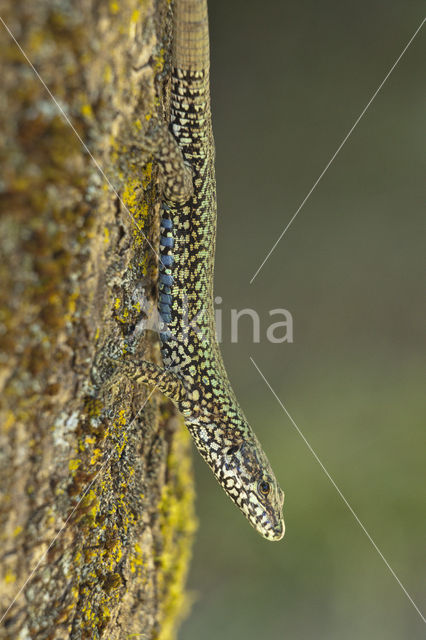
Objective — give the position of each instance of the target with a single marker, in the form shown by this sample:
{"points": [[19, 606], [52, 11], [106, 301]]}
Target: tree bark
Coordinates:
{"points": [[97, 496]]}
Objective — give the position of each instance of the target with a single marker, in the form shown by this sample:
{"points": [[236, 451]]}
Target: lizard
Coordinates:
{"points": [[194, 376]]}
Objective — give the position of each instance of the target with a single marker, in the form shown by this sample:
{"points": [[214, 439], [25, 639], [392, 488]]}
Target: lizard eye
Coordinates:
{"points": [[233, 449], [263, 487]]}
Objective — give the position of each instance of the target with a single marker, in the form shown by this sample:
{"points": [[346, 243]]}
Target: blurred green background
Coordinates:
{"points": [[288, 81]]}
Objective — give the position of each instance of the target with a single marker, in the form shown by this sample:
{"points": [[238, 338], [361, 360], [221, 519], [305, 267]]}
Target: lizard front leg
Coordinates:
{"points": [[166, 381]]}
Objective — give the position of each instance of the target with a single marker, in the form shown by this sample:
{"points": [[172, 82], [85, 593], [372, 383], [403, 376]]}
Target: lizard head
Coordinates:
{"points": [[242, 468], [248, 479]]}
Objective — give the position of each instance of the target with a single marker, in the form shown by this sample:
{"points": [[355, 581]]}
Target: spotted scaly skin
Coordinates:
{"points": [[194, 375]]}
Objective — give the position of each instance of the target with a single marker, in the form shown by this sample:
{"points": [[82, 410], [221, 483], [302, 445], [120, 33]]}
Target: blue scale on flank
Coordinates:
{"points": [[166, 279], [167, 261], [167, 242]]}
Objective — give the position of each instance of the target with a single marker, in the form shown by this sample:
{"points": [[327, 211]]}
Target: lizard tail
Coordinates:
{"points": [[191, 37]]}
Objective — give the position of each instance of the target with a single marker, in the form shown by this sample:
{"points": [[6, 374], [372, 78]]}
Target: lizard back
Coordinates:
{"points": [[188, 230]]}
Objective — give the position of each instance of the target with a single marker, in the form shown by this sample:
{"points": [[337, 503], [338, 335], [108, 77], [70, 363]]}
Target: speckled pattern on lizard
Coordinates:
{"points": [[194, 375]]}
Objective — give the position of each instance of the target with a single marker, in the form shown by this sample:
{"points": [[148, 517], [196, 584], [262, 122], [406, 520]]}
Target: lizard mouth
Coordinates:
{"points": [[276, 532]]}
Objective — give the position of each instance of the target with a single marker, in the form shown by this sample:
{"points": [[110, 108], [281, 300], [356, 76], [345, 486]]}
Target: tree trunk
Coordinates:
{"points": [[96, 504]]}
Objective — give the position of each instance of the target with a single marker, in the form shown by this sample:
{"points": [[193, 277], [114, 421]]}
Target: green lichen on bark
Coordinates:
{"points": [[96, 489]]}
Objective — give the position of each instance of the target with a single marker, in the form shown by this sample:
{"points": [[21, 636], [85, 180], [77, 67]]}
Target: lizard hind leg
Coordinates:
{"points": [[159, 141], [177, 173]]}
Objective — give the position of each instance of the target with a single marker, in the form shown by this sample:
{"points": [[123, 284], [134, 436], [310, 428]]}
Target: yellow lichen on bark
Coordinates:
{"points": [[178, 524]]}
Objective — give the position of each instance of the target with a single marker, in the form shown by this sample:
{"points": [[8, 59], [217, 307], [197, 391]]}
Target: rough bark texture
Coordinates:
{"points": [[96, 496]]}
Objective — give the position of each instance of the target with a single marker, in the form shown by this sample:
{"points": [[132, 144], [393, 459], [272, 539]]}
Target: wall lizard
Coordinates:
{"points": [[194, 375]]}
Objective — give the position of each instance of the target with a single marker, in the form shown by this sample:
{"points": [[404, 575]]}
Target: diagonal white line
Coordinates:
{"points": [[84, 145], [37, 565], [330, 162], [339, 492]]}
